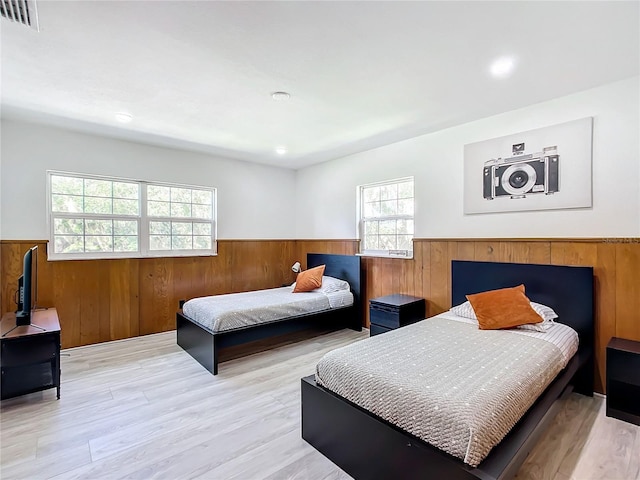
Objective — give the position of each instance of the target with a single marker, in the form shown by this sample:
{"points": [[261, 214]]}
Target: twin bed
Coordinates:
{"points": [[437, 399], [443, 399], [206, 325]]}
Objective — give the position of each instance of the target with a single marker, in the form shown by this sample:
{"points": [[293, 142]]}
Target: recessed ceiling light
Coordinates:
{"points": [[280, 96], [502, 67], [281, 150], [124, 117]]}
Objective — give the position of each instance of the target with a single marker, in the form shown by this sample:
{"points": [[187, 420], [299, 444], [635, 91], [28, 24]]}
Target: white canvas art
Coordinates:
{"points": [[546, 168]]}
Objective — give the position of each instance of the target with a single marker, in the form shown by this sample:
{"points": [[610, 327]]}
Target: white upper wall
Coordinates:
{"points": [[257, 202], [253, 200], [326, 193]]}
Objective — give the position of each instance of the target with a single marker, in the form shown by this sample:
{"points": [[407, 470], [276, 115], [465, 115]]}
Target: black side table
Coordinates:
{"points": [[30, 355], [623, 380], [394, 311]]}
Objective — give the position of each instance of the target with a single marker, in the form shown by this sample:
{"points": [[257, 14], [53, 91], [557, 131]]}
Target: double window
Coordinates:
{"points": [[386, 218], [100, 217]]}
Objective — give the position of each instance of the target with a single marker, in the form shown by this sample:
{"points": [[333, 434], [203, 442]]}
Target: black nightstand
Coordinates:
{"points": [[394, 311], [623, 380]]}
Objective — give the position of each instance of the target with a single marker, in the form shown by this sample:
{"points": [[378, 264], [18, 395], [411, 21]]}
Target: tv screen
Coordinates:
{"points": [[28, 287]]}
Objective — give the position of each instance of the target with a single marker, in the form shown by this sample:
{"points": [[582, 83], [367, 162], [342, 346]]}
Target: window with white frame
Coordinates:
{"points": [[386, 218], [100, 217]]}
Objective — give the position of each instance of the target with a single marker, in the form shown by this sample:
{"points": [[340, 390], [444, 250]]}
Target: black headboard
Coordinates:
{"points": [[344, 267], [568, 290]]}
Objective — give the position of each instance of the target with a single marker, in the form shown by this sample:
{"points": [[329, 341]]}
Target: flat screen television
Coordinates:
{"points": [[28, 287]]}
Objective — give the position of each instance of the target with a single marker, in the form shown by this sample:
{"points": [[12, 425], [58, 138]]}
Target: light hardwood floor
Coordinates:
{"points": [[143, 408]]}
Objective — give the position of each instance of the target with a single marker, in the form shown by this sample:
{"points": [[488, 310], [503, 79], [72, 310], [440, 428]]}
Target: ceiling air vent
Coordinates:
{"points": [[21, 11]]}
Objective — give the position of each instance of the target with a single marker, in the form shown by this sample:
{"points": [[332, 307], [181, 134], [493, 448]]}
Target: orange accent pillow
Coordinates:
{"points": [[504, 308], [310, 280]]}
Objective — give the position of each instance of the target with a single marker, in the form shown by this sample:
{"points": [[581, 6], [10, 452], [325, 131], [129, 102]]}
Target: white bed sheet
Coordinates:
{"points": [[237, 310]]}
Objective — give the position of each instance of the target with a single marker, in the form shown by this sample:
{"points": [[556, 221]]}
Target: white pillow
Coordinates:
{"points": [[546, 313], [464, 310], [329, 285], [536, 327]]}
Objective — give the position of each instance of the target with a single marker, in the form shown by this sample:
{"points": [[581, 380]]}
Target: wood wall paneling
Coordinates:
{"points": [[339, 247], [68, 290], [92, 304], [421, 260], [101, 300], [627, 291], [436, 286], [11, 267], [465, 250], [525, 252], [606, 305]]}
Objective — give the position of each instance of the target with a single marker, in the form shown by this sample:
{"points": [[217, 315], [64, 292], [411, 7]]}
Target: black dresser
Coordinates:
{"points": [[394, 311], [30, 355], [623, 380]]}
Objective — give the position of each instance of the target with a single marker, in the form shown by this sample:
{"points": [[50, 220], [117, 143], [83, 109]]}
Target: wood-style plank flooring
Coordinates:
{"points": [[142, 408]]}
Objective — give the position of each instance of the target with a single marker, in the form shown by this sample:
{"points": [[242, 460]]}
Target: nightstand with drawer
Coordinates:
{"points": [[394, 311], [623, 380]]}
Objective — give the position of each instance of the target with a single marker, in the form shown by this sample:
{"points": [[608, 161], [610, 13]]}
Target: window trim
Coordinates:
{"points": [[143, 221], [360, 220]]}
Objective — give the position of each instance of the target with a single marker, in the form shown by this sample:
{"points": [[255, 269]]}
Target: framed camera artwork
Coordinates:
{"points": [[542, 169]]}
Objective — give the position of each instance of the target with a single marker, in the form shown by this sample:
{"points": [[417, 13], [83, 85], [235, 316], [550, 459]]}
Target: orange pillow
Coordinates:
{"points": [[504, 308], [309, 279]]}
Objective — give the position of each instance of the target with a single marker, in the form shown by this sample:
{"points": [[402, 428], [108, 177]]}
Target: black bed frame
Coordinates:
{"points": [[368, 447], [204, 345]]}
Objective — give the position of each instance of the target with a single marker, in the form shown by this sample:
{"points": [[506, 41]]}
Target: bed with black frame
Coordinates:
{"points": [[367, 447], [204, 345]]}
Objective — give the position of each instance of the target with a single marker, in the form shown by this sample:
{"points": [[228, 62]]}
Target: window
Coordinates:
{"points": [[98, 217], [386, 218]]}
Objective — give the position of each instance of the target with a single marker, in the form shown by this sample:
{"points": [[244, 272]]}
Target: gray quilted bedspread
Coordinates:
{"points": [[237, 310], [454, 386]]}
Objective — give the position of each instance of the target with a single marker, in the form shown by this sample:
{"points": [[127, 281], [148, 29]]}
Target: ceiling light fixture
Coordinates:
{"points": [[281, 150], [280, 96], [502, 67], [124, 117]]}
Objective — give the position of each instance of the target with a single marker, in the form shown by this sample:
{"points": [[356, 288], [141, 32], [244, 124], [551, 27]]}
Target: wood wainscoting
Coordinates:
{"points": [[101, 300]]}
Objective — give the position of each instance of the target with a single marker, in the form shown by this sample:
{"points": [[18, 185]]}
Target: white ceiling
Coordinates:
{"points": [[199, 75]]}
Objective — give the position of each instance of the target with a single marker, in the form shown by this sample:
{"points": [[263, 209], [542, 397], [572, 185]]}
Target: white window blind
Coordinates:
{"points": [[100, 217], [386, 222]]}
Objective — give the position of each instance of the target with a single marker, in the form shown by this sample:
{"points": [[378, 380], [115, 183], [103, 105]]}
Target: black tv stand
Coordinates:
{"points": [[30, 354], [24, 325]]}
